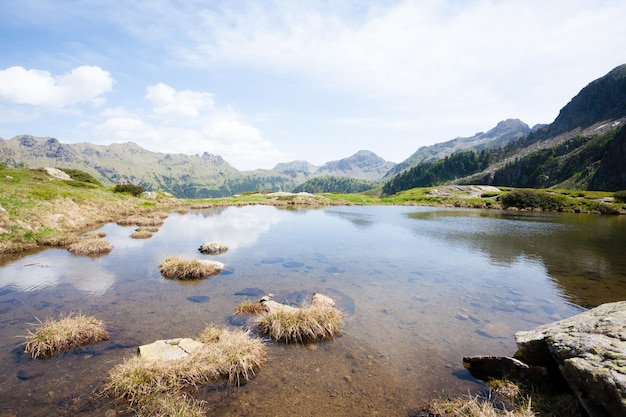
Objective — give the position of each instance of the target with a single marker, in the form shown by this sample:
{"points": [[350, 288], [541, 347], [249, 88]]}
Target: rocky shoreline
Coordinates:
{"points": [[588, 350]]}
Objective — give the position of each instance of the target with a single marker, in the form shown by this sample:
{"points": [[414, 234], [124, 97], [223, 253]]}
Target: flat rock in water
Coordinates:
{"points": [[343, 300], [590, 349], [199, 299], [275, 260], [293, 264], [169, 349], [251, 292]]}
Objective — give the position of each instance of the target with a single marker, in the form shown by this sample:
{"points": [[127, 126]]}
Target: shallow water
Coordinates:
{"points": [[421, 288]]}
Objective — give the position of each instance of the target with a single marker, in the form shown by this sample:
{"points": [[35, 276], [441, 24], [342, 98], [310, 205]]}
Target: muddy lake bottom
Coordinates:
{"points": [[420, 288]]}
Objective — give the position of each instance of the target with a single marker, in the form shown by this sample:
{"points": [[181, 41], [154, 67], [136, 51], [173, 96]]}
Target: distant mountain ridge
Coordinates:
{"points": [[186, 176], [505, 131], [364, 165]]}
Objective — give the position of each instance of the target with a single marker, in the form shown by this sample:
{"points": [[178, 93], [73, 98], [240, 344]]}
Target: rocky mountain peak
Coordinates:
{"points": [[602, 99]]}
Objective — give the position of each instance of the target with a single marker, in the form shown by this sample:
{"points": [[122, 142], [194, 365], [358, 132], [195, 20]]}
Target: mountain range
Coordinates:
{"points": [[584, 148]]}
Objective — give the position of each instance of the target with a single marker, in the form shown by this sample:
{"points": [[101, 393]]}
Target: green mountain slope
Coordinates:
{"points": [[506, 131], [181, 175], [584, 148]]}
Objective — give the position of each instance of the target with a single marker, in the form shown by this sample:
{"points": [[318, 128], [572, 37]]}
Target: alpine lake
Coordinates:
{"points": [[420, 288]]}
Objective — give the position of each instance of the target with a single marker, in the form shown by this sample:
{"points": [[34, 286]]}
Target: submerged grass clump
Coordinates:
{"points": [[70, 332], [164, 387], [90, 246], [175, 267]]}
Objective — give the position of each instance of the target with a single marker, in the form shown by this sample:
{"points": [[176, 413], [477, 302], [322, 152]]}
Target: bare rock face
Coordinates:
{"points": [[57, 173], [590, 349]]}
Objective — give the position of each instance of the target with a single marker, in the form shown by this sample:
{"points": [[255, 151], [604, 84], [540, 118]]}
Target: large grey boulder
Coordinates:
{"points": [[590, 349]]}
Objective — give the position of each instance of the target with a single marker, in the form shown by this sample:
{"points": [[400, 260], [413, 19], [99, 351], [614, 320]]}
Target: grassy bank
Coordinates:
{"points": [[38, 209]]}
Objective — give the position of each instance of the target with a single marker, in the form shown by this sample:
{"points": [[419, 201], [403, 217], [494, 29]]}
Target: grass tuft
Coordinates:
{"points": [[90, 246], [163, 387], [175, 267], [247, 308], [52, 237], [301, 325], [307, 323], [141, 234], [506, 398], [70, 332], [477, 407]]}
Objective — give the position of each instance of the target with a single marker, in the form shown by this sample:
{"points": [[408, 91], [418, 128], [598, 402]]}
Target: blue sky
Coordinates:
{"points": [[262, 82]]}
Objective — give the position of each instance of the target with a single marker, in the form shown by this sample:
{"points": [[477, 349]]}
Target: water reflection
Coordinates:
{"points": [[421, 288], [576, 250], [55, 267]]}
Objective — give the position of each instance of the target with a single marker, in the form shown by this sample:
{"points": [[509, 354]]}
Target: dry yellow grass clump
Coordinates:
{"points": [[70, 332], [154, 219], [174, 267], [141, 234], [479, 407], [151, 229], [90, 246], [307, 323], [164, 387], [247, 307]]}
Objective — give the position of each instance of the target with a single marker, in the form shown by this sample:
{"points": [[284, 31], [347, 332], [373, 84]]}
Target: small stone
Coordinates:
{"points": [[213, 248]]}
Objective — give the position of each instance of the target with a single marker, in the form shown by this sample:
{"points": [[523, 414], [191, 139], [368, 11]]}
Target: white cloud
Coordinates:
{"points": [[39, 88], [166, 100], [232, 131], [203, 128], [480, 52]]}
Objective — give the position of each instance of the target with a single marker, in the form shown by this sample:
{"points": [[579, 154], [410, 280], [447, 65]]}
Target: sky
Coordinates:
{"points": [[262, 82]]}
